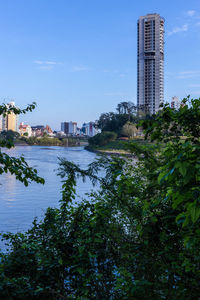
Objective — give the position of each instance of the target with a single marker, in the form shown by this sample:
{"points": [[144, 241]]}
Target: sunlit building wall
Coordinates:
{"points": [[10, 121]]}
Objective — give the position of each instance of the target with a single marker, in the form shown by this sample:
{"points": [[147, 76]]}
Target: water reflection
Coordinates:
{"points": [[10, 187], [19, 204]]}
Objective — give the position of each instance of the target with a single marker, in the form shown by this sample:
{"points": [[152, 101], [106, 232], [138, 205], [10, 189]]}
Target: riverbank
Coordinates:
{"points": [[112, 148], [48, 141], [108, 152], [117, 147]]}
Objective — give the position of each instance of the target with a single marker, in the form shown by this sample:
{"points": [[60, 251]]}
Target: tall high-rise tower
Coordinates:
{"points": [[150, 62]]}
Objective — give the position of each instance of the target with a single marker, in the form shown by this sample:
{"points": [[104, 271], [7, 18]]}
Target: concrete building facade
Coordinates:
{"points": [[10, 121], [25, 129], [150, 62], [89, 129], [69, 127]]}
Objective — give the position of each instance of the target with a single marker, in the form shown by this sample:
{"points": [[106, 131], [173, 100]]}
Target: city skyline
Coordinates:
{"points": [[78, 60]]}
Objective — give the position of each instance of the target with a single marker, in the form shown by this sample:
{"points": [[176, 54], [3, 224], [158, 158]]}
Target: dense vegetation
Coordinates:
{"points": [[125, 112], [102, 138], [9, 135], [53, 141], [123, 122], [45, 140], [42, 141], [137, 237]]}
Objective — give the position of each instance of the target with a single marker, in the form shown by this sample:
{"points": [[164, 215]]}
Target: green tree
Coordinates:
{"points": [[129, 129], [127, 108], [9, 135], [102, 139], [126, 112]]}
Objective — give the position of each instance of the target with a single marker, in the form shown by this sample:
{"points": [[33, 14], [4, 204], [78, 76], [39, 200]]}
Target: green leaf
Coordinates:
{"points": [[195, 213], [183, 170], [161, 177]]}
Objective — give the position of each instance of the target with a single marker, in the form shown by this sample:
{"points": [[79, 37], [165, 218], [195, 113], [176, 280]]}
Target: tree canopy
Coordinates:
{"points": [[126, 111]]}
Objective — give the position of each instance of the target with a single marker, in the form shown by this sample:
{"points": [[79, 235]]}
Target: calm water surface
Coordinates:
{"points": [[20, 204]]}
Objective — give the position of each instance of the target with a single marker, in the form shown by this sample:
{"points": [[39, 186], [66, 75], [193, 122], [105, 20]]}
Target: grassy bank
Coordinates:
{"points": [[47, 141], [116, 147]]}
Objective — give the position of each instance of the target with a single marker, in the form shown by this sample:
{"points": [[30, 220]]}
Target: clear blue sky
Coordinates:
{"points": [[77, 58]]}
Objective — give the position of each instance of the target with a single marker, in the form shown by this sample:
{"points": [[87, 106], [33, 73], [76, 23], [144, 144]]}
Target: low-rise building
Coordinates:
{"points": [[37, 130], [40, 130], [60, 134], [48, 130], [25, 129]]}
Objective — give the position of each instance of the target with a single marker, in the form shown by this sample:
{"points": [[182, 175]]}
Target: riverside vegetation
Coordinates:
{"points": [[45, 140], [116, 127], [136, 237]]}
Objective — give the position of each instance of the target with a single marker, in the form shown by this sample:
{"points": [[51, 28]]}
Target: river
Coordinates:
{"points": [[19, 204]]}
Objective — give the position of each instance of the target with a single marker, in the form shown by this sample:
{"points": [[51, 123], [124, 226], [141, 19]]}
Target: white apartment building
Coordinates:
{"points": [[150, 62]]}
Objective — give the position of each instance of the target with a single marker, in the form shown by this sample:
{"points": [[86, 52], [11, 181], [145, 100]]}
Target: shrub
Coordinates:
{"points": [[102, 138]]}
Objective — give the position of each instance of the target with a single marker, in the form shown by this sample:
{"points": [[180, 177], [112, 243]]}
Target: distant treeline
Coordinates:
{"points": [[41, 141]]}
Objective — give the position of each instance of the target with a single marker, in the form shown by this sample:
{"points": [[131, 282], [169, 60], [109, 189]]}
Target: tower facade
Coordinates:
{"points": [[150, 62], [10, 121]]}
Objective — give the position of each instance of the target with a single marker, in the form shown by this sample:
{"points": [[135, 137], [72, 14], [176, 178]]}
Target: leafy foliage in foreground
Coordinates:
{"points": [[137, 237], [13, 165]]}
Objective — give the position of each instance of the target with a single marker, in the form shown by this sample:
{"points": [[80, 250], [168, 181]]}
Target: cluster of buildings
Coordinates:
{"points": [[71, 129], [36, 131], [10, 122]]}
